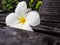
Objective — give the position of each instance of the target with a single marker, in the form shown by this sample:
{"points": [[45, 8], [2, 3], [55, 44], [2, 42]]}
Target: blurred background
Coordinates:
{"points": [[10, 5]]}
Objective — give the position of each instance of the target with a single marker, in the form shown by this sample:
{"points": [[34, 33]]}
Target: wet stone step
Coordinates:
{"points": [[2, 19], [3, 16], [12, 36], [50, 10], [47, 30], [51, 24], [2, 25], [50, 19]]}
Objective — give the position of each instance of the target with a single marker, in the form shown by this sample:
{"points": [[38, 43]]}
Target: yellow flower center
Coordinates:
{"points": [[22, 20]]}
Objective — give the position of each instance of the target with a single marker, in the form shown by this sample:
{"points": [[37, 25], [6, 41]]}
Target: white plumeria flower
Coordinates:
{"points": [[21, 19]]}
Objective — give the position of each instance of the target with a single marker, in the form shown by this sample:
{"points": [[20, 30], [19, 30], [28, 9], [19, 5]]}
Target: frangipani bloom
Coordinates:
{"points": [[21, 19]]}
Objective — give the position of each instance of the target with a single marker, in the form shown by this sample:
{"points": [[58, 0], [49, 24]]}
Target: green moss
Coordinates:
{"points": [[31, 3], [39, 3], [9, 4], [35, 4]]}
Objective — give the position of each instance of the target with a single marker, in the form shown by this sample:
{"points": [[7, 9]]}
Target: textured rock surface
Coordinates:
{"points": [[12, 36], [50, 13], [50, 10]]}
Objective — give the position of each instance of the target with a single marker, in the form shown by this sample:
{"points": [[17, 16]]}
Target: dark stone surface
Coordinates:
{"points": [[3, 16], [12, 36], [51, 7], [50, 11], [50, 16]]}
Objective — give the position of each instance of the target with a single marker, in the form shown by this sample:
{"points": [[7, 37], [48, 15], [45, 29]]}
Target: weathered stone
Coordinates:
{"points": [[13, 36], [50, 10]]}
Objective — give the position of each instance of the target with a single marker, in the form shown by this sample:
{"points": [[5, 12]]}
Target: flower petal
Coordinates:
{"points": [[17, 25], [11, 18], [27, 27], [21, 8], [21, 26], [33, 18]]}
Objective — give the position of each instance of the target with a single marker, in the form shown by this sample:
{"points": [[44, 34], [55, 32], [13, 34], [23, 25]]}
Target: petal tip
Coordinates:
{"points": [[22, 2]]}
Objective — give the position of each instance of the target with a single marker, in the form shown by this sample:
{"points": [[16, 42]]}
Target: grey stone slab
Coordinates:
{"points": [[13, 36], [50, 10]]}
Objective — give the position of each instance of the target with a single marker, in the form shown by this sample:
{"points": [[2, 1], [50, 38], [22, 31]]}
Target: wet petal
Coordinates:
{"points": [[17, 25], [21, 8], [27, 27], [11, 18], [33, 18]]}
